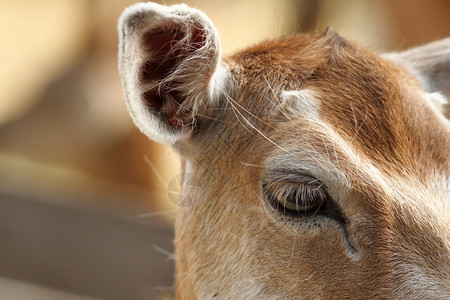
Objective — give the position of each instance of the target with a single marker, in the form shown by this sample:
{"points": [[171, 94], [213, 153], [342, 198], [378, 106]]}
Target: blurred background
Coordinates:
{"points": [[85, 211]]}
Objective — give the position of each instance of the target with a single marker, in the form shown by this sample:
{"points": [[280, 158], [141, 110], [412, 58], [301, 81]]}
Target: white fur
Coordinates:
{"points": [[416, 284], [219, 82], [437, 100], [300, 101]]}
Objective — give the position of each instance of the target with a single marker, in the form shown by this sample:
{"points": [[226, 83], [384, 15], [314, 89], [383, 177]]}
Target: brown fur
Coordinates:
{"points": [[353, 83], [379, 148]]}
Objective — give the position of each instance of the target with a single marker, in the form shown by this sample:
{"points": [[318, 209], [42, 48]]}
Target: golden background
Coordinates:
{"points": [[67, 142]]}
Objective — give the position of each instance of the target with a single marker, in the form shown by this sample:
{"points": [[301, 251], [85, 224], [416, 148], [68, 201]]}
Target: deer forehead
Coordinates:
{"points": [[344, 123]]}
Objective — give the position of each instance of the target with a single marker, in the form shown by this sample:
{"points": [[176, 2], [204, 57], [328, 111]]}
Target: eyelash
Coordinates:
{"points": [[308, 190], [296, 199]]}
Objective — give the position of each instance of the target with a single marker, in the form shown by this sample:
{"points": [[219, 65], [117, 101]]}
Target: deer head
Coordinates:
{"points": [[314, 169]]}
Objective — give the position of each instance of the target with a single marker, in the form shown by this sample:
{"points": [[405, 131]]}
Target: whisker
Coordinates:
{"points": [[275, 232], [257, 130], [154, 169], [169, 255], [359, 128], [292, 251], [218, 120], [158, 213], [251, 165], [275, 95], [246, 110]]}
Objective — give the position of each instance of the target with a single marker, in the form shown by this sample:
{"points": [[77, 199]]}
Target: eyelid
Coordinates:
{"points": [[296, 197], [288, 182], [299, 177]]}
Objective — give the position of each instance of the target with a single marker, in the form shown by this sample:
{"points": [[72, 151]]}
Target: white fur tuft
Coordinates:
{"points": [[300, 102], [437, 100]]}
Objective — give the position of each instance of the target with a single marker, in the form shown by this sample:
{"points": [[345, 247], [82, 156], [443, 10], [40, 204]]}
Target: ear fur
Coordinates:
{"points": [[430, 64], [169, 63]]}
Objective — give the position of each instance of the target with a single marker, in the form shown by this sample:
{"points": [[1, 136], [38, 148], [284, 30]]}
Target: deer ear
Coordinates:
{"points": [[430, 64], [169, 64]]}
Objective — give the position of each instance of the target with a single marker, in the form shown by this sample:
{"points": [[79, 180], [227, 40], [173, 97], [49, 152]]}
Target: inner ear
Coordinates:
{"points": [[168, 57], [166, 54], [167, 48]]}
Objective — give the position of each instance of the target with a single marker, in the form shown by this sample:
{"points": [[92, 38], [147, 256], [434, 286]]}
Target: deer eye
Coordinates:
{"points": [[304, 198]]}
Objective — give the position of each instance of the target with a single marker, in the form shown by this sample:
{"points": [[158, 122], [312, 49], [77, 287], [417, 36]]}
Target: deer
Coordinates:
{"points": [[313, 168]]}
